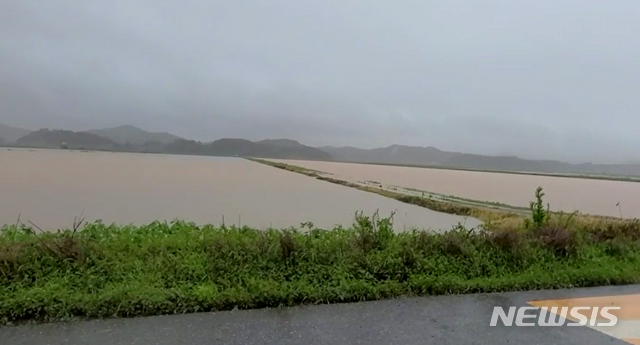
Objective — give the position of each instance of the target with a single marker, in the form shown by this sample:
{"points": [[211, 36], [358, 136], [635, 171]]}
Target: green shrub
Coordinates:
{"points": [[178, 267], [165, 268]]}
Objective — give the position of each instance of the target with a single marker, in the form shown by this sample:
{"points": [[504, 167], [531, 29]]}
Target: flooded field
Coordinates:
{"points": [[51, 187], [566, 194]]}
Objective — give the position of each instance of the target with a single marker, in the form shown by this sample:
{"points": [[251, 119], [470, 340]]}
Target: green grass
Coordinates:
{"points": [[459, 199], [172, 268]]}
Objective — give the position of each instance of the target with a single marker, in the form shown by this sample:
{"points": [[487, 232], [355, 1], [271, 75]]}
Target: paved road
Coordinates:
{"points": [[427, 320]]}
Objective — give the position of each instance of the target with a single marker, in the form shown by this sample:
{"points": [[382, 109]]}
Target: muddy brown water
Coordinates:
{"points": [[567, 194], [51, 187]]}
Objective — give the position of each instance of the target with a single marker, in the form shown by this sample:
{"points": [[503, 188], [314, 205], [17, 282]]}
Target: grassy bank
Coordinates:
{"points": [[496, 216], [481, 210], [289, 167], [109, 271]]}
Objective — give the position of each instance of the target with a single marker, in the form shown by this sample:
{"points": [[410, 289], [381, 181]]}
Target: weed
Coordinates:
{"points": [[372, 232], [179, 267], [561, 241], [508, 240], [539, 216], [288, 246]]}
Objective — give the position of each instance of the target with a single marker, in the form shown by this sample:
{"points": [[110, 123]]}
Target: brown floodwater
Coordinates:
{"points": [[567, 194], [51, 187]]}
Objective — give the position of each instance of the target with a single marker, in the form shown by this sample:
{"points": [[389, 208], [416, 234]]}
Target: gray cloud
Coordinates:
{"points": [[541, 79]]}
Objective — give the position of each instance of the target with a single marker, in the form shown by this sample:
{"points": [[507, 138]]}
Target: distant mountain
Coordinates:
{"points": [[280, 142], [431, 156], [281, 148], [394, 154], [133, 139], [134, 135], [46, 138], [12, 134], [510, 163]]}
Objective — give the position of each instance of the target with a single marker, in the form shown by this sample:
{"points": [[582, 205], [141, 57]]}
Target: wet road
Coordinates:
{"points": [[427, 320]]}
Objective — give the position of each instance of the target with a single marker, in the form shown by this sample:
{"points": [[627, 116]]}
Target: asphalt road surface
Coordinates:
{"points": [[462, 319]]}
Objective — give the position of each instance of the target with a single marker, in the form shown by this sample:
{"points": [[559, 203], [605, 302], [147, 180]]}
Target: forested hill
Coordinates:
{"points": [[281, 148]]}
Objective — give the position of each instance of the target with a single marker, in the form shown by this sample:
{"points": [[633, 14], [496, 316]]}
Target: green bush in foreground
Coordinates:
{"points": [[178, 267]]}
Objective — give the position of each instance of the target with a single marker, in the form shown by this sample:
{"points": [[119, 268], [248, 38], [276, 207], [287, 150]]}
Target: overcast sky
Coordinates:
{"points": [[541, 79]]}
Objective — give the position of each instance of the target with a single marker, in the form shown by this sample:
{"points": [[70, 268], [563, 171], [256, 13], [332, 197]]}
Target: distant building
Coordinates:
{"points": [[63, 146]]}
